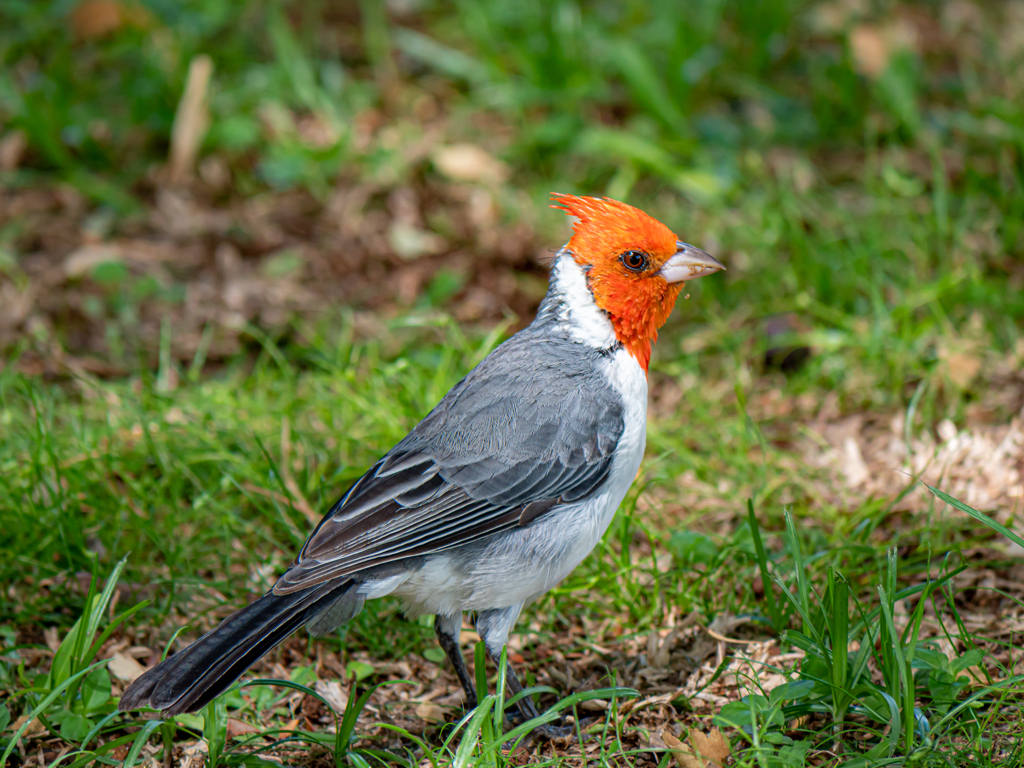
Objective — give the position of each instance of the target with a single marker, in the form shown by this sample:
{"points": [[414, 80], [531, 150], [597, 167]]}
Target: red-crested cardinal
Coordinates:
{"points": [[501, 491]]}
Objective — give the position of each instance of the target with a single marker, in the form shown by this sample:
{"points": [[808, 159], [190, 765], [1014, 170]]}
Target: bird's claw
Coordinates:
{"points": [[548, 731]]}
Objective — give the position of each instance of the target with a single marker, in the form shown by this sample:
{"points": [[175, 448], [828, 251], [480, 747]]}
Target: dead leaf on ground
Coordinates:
{"points": [[193, 755], [712, 746], [333, 694], [410, 242], [468, 162], [238, 728], [15, 304], [52, 637], [35, 728], [854, 468], [835, 16], [430, 711], [684, 756], [961, 367], [93, 19], [83, 260], [191, 120], [96, 18], [12, 149], [125, 667], [873, 45]]}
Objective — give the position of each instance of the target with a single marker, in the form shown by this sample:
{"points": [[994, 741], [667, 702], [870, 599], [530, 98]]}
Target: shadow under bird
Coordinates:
{"points": [[501, 491]]}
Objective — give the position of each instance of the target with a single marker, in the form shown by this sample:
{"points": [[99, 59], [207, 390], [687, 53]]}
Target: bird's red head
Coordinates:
{"points": [[635, 266]]}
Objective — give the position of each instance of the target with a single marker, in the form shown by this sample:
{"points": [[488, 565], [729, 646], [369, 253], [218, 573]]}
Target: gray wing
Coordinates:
{"points": [[533, 426]]}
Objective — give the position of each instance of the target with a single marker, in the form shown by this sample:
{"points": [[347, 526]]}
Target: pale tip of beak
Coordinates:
{"points": [[689, 263]]}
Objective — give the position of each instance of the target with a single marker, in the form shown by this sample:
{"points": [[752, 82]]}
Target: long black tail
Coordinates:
{"points": [[189, 680]]}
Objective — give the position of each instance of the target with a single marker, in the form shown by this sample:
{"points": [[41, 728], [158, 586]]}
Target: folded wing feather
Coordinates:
{"points": [[529, 426]]}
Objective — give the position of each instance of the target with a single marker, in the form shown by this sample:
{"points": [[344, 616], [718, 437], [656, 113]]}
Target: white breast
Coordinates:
{"points": [[519, 565], [584, 525]]}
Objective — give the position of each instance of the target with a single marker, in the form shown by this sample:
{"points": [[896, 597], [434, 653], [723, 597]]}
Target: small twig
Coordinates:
{"points": [[724, 639], [191, 119]]}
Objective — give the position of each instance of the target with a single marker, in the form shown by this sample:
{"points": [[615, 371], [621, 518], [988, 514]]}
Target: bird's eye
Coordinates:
{"points": [[635, 261]]}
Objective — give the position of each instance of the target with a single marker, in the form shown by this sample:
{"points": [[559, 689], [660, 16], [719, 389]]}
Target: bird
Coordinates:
{"points": [[500, 491]]}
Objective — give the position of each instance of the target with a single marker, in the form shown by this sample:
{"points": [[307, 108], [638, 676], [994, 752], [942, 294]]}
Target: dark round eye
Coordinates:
{"points": [[634, 260]]}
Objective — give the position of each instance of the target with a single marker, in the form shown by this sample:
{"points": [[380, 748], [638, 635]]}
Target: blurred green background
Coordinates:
{"points": [[245, 246], [855, 163]]}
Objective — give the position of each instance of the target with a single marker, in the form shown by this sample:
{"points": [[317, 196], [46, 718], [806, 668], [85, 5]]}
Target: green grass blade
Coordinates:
{"points": [[472, 732], [555, 712], [997, 527], [499, 693], [215, 734], [103, 723], [898, 671], [839, 631], [774, 612], [803, 588], [480, 670], [140, 742], [46, 702], [112, 626]]}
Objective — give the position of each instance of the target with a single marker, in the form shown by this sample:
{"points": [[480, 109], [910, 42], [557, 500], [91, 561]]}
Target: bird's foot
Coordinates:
{"points": [[514, 717]]}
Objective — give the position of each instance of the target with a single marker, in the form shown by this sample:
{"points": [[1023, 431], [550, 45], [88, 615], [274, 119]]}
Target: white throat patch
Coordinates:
{"points": [[587, 322]]}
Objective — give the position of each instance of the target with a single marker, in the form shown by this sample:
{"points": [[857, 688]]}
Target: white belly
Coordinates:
{"points": [[517, 566]]}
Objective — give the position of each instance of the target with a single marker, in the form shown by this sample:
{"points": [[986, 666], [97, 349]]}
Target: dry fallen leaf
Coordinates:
{"points": [[35, 728], [82, 260], [238, 728], [835, 16], [193, 754], [430, 711], [125, 667], [870, 52], [15, 304], [873, 46], [854, 468], [92, 19], [317, 131], [12, 149], [713, 746], [961, 368], [683, 754], [96, 18], [410, 242], [191, 120], [468, 162], [52, 638], [333, 694]]}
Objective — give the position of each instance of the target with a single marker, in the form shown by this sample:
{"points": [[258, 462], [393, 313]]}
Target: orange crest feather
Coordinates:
{"points": [[605, 224], [637, 304]]}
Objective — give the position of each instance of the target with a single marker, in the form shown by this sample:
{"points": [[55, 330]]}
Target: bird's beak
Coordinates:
{"points": [[689, 263]]}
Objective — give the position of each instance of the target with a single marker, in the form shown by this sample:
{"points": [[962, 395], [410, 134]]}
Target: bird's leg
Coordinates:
{"points": [[494, 627], [527, 709], [448, 629]]}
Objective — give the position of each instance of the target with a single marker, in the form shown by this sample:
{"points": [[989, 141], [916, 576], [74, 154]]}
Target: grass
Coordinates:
{"points": [[876, 203], [193, 481]]}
